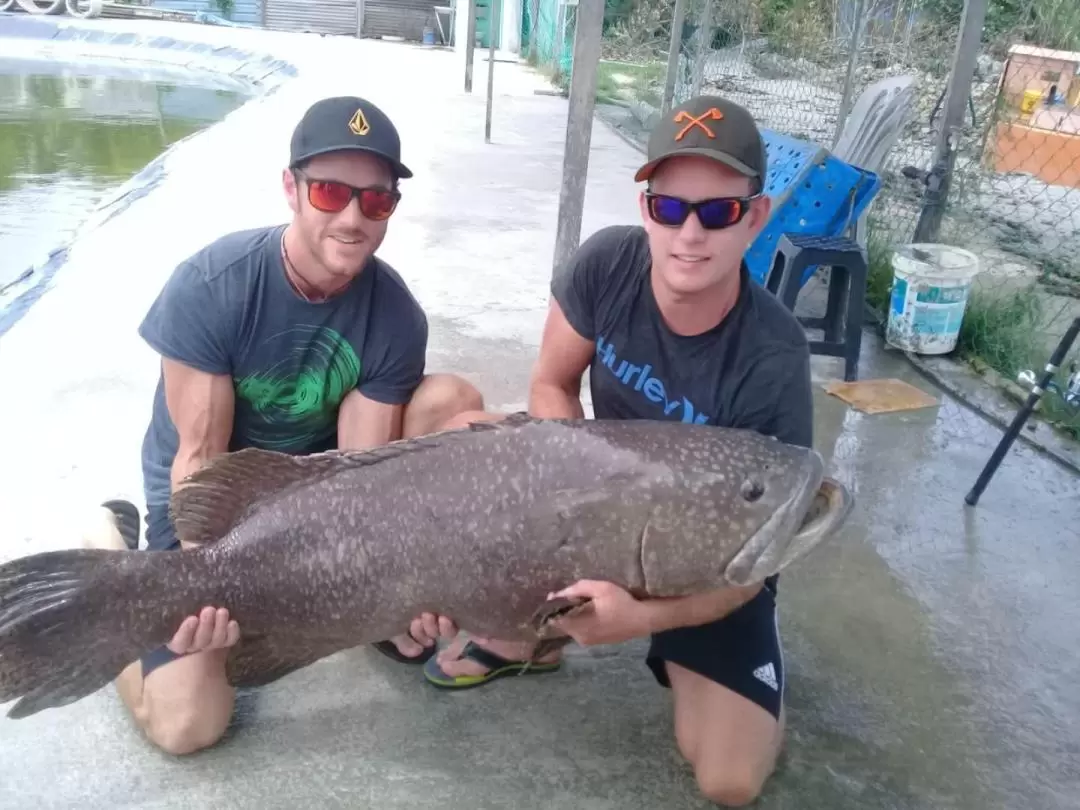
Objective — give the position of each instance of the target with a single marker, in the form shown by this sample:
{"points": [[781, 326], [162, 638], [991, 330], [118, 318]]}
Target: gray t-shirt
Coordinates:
{"points": [[751, 371], [229, 309]]}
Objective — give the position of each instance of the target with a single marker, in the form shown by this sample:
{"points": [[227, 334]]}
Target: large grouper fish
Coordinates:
{"points": [[319, 553]]}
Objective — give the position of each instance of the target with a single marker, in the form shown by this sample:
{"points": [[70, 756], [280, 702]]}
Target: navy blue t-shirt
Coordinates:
{"points": [[229, 309], [750, 371]]}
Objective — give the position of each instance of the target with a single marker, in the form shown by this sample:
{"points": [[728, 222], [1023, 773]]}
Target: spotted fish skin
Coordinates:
{"points": [[316, 554]]}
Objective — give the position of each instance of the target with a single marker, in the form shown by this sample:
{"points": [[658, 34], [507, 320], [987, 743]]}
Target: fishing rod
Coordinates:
{"points": [[1070, 393]]}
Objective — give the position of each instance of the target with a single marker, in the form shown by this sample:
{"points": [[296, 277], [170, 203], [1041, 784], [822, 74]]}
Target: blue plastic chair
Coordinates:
{"points": [[813, 193]]}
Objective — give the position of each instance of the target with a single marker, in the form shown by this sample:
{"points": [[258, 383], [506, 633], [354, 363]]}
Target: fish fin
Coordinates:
{"points": [[259, 660], [544, 647], [218, 496], [540, 623], [515, 419], [59, 639], [505, 422], [556, 608]]}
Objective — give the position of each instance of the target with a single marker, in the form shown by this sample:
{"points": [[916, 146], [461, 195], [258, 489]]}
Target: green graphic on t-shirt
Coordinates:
{"points": [[295, 401]]}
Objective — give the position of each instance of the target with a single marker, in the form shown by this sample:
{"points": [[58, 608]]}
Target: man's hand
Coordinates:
{"points": [[612, 616], [210, 630], [427, 628]]}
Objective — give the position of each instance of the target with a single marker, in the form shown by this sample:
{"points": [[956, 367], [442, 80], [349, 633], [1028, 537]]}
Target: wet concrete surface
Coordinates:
{"points": [[932, 648]]}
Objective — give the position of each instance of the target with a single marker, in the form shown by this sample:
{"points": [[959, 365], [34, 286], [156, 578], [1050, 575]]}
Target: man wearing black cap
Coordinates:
{"points": [[293, 338], [670, 326]]}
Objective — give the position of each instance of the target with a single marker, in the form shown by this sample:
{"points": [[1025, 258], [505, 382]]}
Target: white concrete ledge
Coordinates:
{"points": [[474, 238]]}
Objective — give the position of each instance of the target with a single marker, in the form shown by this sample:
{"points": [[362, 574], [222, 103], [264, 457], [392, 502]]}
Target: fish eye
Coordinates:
{"points": [[752, 489]]}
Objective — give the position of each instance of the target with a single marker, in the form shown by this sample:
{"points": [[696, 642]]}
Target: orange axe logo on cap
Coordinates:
{"points": [[711, 114]]}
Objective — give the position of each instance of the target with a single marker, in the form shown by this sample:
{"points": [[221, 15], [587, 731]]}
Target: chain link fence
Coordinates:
{"points": [[800, 65]]}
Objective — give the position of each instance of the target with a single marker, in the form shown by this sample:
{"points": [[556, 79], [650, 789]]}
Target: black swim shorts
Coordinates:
{"points": [[160, 536], [741, 651]]}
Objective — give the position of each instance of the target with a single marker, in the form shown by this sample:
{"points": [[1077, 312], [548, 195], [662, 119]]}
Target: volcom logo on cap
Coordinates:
{"points": [[358, 124], [711, 114]]}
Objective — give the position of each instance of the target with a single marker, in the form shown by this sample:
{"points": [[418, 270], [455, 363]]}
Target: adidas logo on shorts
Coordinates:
{"points": [[767, 675]]}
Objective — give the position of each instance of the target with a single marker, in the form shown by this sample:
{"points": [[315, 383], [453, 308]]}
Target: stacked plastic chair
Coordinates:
{"points": [[819, 203]]}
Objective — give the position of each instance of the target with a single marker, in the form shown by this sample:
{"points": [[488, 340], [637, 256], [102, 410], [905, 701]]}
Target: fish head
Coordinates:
{"points": [[739, 515]]}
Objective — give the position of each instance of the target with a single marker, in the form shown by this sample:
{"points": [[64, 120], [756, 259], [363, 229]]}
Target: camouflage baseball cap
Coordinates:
{"points": [[712, 127]]}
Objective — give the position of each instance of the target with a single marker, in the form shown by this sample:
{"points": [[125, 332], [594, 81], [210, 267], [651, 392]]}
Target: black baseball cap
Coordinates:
{"points": [[712, 127], [346, 123]]}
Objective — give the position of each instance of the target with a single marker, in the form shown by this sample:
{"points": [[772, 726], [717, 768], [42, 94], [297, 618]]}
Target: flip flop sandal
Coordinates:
{"points": [[498, 667], [127, 521], [388, 649]]}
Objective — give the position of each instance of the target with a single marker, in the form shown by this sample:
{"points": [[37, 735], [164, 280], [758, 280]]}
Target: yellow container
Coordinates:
{"points": [[1031, 100]]}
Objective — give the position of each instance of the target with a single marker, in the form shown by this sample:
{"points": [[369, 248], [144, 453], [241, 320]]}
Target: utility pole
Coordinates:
{"points": [[849, 77], [674, 52], [952, 120], [579, 124], [470, 45], [491, 71]]}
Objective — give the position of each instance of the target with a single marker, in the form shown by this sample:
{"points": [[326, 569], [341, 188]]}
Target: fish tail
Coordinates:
{"points": [[70, 622]]}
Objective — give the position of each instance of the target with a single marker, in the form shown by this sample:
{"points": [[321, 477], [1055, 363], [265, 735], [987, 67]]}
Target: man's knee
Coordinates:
{"points": [[731, 742], [732, 770], [730, 784], [450, 393], [186, 705], [439, 399], [185, 729]]}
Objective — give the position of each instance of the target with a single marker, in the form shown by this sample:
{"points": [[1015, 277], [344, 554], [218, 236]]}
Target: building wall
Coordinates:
{"points": [[248, 12], [335, 17], [510, 35], [1053, 157], [508, 28], [403, 18], [1037, 73]]}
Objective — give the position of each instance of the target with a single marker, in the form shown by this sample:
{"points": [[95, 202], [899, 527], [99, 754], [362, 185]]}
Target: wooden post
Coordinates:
{"points": [[952, 119], [491, 69], [579, 123], [849, 77], [674, 52], [703, 48], [470, 45]]}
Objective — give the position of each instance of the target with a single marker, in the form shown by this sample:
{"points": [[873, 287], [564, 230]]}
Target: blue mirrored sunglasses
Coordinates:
{"points": [[714, 213]]}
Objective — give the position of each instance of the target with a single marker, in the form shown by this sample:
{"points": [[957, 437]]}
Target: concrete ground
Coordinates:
{"points": [[932, 648]]}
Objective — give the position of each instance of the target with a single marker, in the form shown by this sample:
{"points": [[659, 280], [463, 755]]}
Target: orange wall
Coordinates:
{"points": [[1053, 157]]}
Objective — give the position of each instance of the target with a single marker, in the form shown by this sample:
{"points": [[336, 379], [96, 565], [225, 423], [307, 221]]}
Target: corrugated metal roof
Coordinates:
{"points": [[248, 12]]}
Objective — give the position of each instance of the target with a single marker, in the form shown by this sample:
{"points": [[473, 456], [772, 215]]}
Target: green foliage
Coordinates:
{"points": [[616, 11], [1047, 23]]}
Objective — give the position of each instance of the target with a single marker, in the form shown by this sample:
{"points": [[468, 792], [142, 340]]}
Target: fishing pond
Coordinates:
{"points": [[72, 134]]}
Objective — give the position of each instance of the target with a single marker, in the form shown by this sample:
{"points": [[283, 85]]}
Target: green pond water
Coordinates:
{"points": [[71, 134]]}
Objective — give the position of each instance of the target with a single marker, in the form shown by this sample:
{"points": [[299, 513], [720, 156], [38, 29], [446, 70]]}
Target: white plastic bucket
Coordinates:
{"points": [[931, 284]]}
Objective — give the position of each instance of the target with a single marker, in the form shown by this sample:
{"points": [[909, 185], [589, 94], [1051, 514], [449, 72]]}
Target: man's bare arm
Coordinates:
{"points": [[702, 608], [555, 387], [201, 406], [364, 423]]}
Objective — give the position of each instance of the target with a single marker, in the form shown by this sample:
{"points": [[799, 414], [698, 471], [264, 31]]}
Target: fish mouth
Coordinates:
{"points": [[805, 521]]}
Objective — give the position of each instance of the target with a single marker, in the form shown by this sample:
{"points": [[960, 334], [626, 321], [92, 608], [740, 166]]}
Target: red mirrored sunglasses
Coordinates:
{"points": [[332, 197]]}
